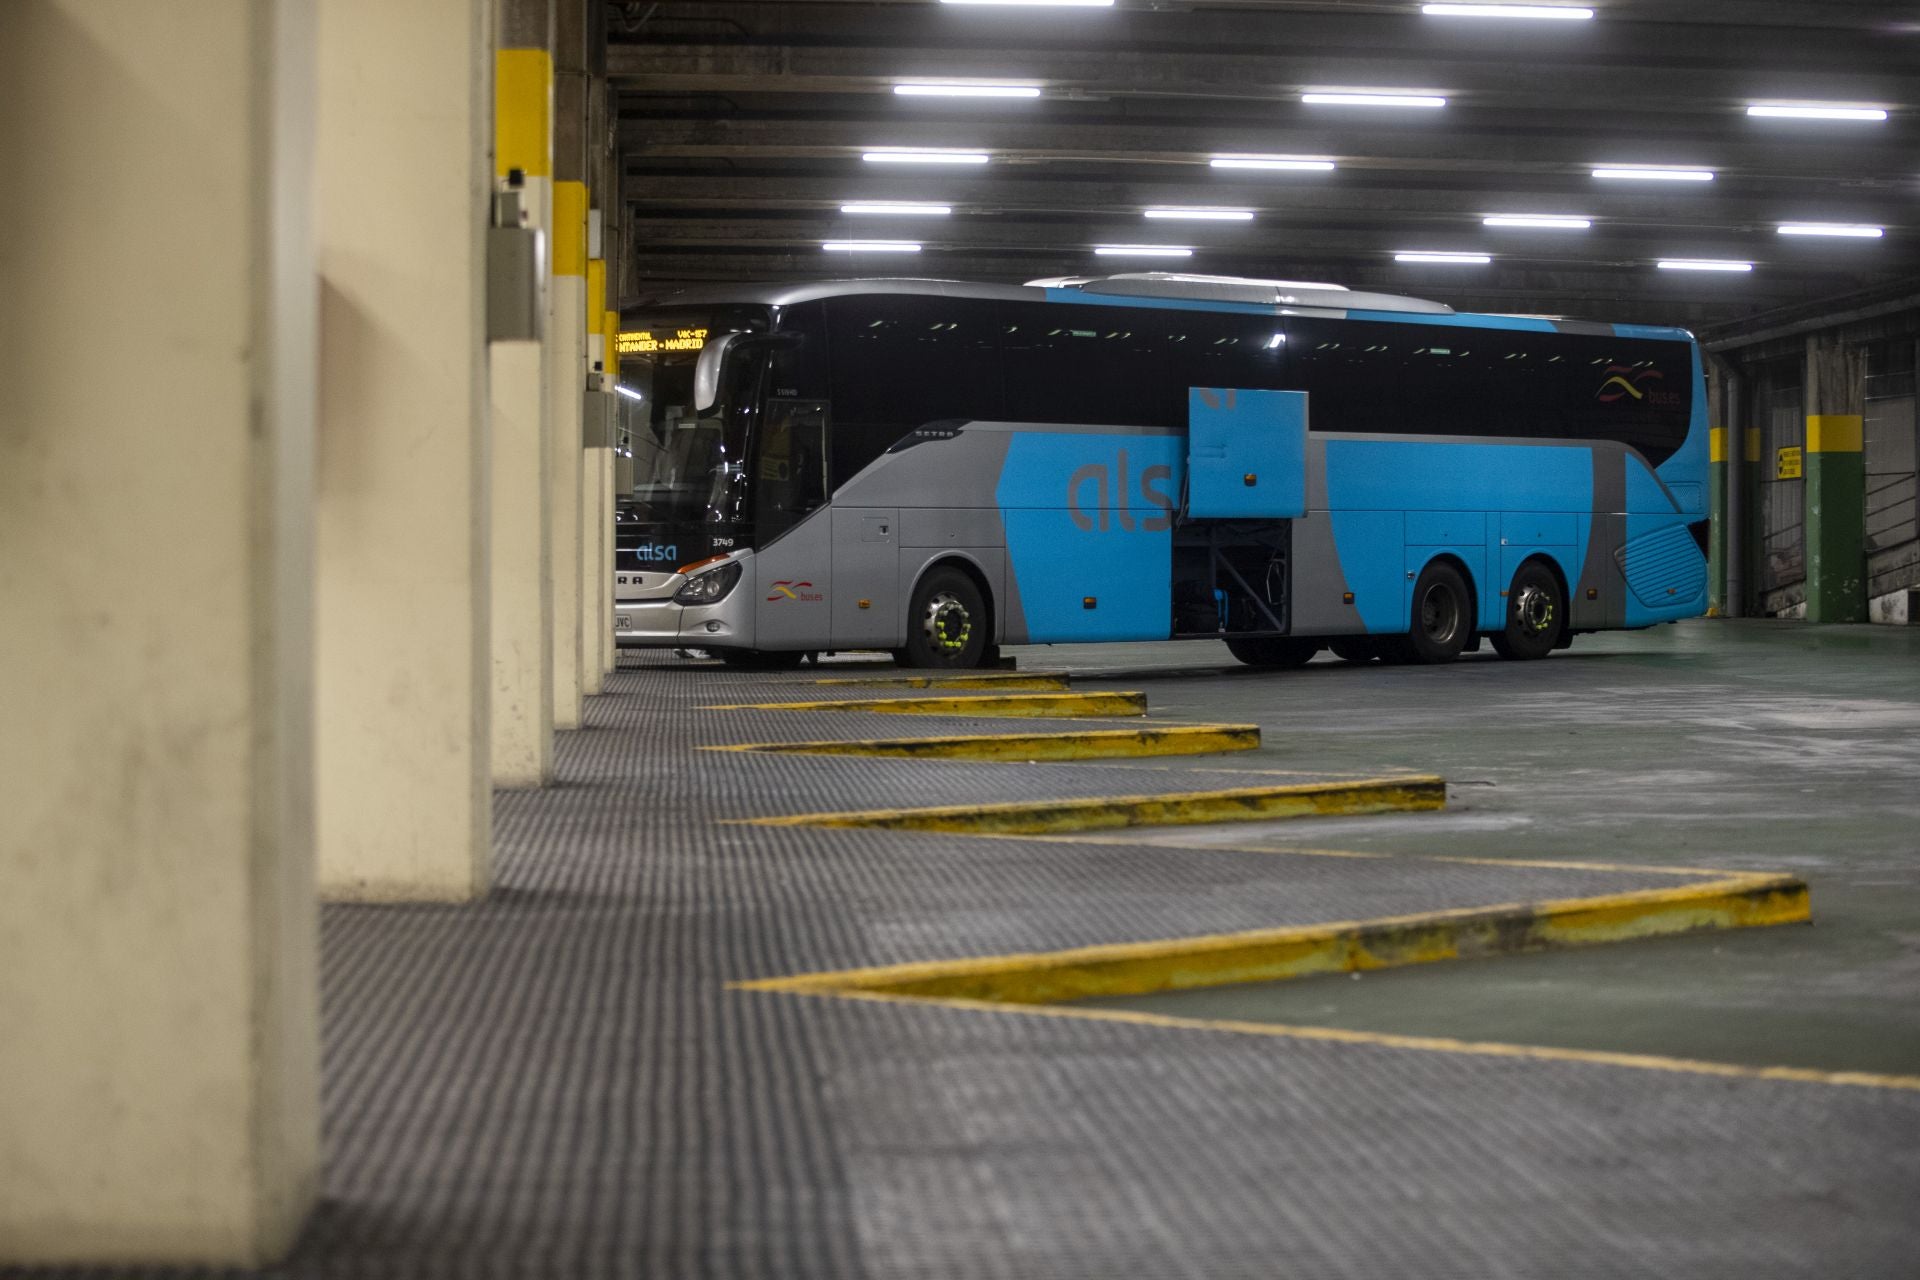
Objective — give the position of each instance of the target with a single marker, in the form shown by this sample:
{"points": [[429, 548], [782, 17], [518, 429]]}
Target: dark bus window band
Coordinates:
{"points": [[899, 362]]}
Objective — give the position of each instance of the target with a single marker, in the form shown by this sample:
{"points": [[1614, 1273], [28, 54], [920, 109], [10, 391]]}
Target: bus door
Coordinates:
{"points": [[1246, 483], [793, 566], [1246, 454]]}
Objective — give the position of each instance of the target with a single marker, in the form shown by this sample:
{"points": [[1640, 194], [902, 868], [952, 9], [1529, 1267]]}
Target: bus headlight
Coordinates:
{"points": [[710, 587]]}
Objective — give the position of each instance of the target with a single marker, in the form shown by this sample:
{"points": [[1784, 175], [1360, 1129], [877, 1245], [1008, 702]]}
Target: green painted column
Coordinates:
{"points": [[1753, 540], [1717, 522], [1836, 519]]}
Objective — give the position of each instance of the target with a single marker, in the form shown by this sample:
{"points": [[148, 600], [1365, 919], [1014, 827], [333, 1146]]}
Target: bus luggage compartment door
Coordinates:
{"points": [[868, 612], [1246, 454]]}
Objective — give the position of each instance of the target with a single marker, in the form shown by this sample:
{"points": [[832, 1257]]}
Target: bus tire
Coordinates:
{"points": [[761, 659], [1354, 648], [1536, 614], [1442, 614], [1279, 652], [947, 622]]}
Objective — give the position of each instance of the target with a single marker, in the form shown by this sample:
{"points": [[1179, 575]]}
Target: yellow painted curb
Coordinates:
{"points": [[1239, 804], [1090, 744], [1269, 955], [1036, 680], [1013, 704]]}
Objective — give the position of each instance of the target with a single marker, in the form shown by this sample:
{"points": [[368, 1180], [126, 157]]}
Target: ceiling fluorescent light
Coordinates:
{"points": [[1830, 229], [1202, 215], [904, 209], [1142, 251], [1039, 4], [1536, 220], [905, 155], [1657, 175], [1814, 111], [1374, 99], [871, 246], [1269, 162], [967, 90], [1470, 259], [1703, 264], [1564, 12], [627, 391]]}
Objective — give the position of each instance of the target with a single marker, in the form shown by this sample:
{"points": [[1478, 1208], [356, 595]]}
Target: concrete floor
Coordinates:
{"points": [[563, 1081], [1757, 746]]}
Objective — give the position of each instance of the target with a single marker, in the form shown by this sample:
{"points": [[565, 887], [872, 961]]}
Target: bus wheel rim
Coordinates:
{"points": [[948, 626], [1439, 614], [1533, 609]]}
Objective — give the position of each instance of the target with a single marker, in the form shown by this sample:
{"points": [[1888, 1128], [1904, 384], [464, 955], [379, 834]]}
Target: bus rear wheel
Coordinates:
{"points": [[1274, 651], [947, 622], [1536, 614], [1442, 614]]}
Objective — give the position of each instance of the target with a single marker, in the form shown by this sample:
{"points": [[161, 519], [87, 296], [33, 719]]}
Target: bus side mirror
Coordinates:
{"points": [[713, 358], [706, 371]]}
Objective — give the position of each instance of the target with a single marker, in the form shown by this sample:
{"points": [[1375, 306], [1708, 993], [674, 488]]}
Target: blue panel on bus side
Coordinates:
{"points": [[1246, 454], [1461, 320], [1091, 516], [1371, 546], [1366, 478], [1665, 572], [1644, 494]]}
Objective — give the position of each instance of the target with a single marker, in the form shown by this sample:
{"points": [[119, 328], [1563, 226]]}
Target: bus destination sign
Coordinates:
{"points": [[640, 342]]}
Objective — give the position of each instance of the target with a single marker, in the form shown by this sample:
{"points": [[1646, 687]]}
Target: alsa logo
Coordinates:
{"points": [[1098, 495], [786, 589], [651, 552], [1625, 382]]}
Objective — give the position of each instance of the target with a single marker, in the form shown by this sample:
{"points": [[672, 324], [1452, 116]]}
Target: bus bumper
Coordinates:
{"points": [[662, 624]]}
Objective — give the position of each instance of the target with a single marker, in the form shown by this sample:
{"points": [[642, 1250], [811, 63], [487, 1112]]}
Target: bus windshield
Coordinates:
{"points": [[689, 469]]}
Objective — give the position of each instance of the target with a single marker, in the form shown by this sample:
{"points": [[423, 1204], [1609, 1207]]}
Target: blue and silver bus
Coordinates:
{"points": [[938, 469]]}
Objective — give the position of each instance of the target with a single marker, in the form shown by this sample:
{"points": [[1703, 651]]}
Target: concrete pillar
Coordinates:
{"points": [[1739, 497], [522, 546], [158, 1031], [566, 354], [1717, 493], [596, 505], [404, 672], [1753, 476], [1836, 481], [609, 652]]}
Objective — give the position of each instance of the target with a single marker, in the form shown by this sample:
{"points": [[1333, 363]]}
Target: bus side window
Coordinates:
{"points": [[900, 362], [790, 474]]}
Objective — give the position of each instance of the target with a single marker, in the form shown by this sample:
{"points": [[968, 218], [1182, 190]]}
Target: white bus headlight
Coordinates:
{"points": [[710, 587]]}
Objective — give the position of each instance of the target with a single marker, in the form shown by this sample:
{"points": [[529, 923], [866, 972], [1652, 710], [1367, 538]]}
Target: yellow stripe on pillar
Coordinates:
{"points": [[609, 330], [1717, 444], [523, 112], [1753, 444], [569, 239], [1835, 432]]}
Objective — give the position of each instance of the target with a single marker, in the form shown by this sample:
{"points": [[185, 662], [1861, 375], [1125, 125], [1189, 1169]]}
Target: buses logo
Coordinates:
{"points": [[787, 589], [652, 552], [1110, 492], [1625, 380]]}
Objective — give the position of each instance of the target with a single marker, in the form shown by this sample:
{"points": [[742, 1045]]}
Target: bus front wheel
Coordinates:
{"points": [[947, 623], [1536, 614]]}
